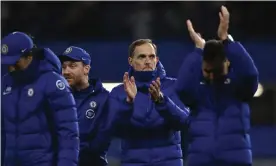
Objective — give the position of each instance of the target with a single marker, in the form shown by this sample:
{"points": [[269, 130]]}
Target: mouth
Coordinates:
{"points": [[68, 79], [147, 69]]}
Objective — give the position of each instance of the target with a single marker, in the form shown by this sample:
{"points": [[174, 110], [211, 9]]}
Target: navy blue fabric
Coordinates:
{"points": [[40, 116], [92, 113], [220, 116], [13, 46], [78, 54], [149, 132]]}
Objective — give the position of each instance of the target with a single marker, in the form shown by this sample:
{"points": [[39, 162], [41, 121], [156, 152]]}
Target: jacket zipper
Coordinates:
{"points": [[17, 125], [216, 109]]}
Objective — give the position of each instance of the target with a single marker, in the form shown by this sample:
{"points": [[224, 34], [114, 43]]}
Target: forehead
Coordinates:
{"points": [[21, 59], [71, 62], [146, 49], [207, 65]]}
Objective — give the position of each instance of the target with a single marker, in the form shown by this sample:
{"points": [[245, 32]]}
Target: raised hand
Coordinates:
{"points": [[130, 87], [196, 37], [224, 17], [154, 89]]}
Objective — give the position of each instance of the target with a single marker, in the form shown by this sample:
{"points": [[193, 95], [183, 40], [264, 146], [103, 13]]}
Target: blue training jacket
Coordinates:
{"points": [[220, 116], [40, 116], [149, 132], [92, 114]]}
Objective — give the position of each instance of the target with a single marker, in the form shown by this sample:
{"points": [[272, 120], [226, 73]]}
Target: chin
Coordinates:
{"points": [[70, 82]]}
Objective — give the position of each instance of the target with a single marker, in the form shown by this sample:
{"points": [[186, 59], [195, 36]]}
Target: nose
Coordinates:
{"points": [[211, 76], [65, 71], [147, 61], [11, 68]]}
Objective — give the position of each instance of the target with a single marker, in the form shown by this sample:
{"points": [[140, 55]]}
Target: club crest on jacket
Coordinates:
{"points": [[30, 92], [90, 114], [93, 104], [60, 85]]}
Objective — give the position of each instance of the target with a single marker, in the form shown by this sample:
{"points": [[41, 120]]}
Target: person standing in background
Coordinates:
{"points": [[148, 114], [91, 98]]}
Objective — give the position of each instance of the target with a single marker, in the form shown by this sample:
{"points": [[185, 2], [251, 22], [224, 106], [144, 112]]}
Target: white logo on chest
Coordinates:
{"points": [[227, 81], [30, 92]]}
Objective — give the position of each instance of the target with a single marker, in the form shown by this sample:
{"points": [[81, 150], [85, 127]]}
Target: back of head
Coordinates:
{"points": [[214, 52]]}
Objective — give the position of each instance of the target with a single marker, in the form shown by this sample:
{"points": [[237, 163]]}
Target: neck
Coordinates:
{"points": [[82, 85], [144, 76]]}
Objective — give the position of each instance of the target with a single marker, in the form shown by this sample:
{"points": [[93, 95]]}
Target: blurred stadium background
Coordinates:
{"points": [[105, 29]]}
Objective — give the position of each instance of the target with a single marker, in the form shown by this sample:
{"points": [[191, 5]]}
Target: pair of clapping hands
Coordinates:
{"points": [[131, 89]]}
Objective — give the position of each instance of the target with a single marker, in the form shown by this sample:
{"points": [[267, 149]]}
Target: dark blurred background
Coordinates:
{"points": [[105, 29]]}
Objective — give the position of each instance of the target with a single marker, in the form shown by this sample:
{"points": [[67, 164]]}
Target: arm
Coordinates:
{"points": [[244, 68], [174, 111], [119, 112], [188, 75], [3, 139], [65, 120]]}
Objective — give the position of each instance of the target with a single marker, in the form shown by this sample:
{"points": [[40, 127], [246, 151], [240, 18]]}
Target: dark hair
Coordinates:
{"points": [[139, 42], [214, 52]]}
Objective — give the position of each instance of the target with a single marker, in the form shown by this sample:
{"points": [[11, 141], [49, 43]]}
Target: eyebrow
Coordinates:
{"points": [[146, 55]]}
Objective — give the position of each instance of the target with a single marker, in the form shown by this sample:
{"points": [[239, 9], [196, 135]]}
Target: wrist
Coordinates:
{"points": [[129, 100], [200, 46], [224, 37], [160, 99], [228, 39]]}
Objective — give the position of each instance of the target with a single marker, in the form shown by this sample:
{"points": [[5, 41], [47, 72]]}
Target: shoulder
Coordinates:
{"points": [[6, 82], [102, 95], [168, 81], [117, 90], [6, 78], [104, 91], [54, 82]]}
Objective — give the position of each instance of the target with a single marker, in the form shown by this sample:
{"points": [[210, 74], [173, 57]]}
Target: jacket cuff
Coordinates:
{"points": [[227, 41], [127, 104], [162, 105], [198, 50]]}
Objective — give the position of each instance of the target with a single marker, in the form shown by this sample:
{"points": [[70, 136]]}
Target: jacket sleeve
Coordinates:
{"points": [[188, 77], [173, 111], [3, 139], [65, 120], [244, 68], [120, 112], [3, 133]]}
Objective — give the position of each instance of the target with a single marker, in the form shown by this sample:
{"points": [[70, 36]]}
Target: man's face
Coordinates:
{"points": [[21, 64], [74, 72], [144, 58], [212, 73]]}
